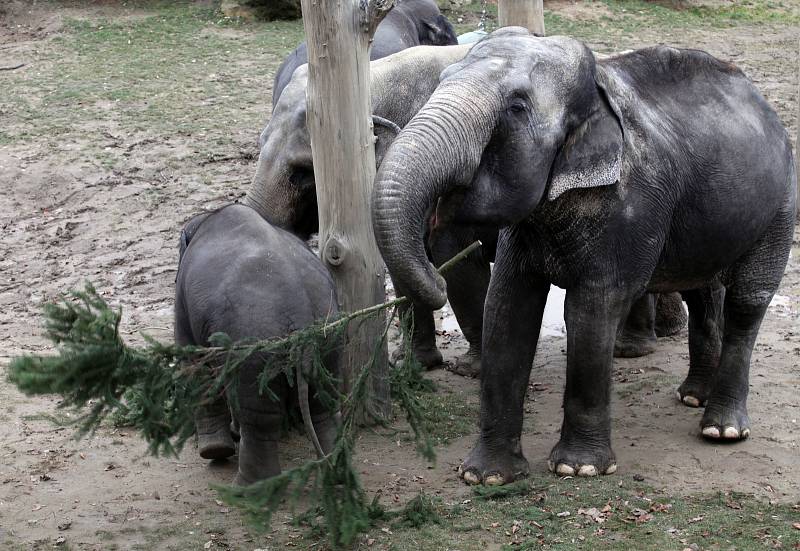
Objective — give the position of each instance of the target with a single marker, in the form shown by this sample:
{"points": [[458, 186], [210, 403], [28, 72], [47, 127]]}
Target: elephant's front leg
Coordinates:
{"points": [[592, 317], [467, 284], [513, 316]]}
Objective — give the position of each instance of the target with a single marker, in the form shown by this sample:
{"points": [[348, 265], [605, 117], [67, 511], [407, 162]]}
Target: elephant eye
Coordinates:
{"points": [[517, 106]]}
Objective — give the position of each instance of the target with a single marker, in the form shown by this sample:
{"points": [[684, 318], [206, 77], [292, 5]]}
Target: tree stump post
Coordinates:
{"points": [[339, 120], [522, 13]]}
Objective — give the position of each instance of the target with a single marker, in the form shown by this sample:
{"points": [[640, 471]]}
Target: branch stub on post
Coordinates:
{"points": [[335, 251]]}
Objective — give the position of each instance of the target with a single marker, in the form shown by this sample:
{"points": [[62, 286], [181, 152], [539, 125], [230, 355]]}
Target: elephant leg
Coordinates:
{"points": [[423, 336], [260, 420], [467, 284], [213, 421], [513, 317], [705, 342], [592, 317], [637, 336], [670, 315], [750, 285]]}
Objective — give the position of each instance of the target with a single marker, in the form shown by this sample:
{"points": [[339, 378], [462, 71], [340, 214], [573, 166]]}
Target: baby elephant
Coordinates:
{"points": [[241, 276]]}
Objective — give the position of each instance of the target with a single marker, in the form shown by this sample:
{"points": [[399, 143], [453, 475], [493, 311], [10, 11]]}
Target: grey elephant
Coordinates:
{"points": [[241, 276], [409, 23], [659, 170], [284, 192]]}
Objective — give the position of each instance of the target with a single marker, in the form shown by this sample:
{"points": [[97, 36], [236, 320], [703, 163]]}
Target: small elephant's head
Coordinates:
{"points": [[284, 188], [518, 120], [437, 32]]}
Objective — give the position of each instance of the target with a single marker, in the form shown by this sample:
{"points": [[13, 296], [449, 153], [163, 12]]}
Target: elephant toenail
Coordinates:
{"points": [[471, 478], [565, 470], [494, 480], [730, 433], [611, 468], [691, 401], [711, 432], [587, 470], [746, 433]]}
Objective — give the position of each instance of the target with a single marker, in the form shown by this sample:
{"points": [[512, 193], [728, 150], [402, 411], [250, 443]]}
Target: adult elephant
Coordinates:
{"points": [[659, 170], [284, 192], [410, 23]]}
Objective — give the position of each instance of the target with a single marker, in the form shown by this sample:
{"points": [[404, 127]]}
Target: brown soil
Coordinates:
{"points": [[66, 217]]}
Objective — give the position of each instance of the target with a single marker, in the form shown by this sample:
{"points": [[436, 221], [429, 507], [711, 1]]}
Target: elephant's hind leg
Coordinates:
{"points": [[213, 423], [705, 342], [637, 337], [750, 285], [260, 420]]}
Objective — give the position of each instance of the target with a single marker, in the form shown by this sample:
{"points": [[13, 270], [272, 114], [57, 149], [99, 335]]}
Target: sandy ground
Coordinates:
{"points": [[66, 217]]}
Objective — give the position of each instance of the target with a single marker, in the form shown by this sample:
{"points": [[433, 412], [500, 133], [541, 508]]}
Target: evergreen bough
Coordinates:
{"points": [[157, 388]]}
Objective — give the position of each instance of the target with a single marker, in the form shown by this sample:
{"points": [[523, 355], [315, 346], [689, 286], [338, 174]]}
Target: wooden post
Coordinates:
{"points": [[339, 120], [522, 13]]}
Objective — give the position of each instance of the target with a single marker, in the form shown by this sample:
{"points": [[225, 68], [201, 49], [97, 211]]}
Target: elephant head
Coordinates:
{"points": [[518, 121]]}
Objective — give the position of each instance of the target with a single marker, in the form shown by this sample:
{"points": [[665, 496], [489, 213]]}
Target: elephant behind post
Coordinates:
{"points": [[409, 23], [241, 276], [656, 171]]}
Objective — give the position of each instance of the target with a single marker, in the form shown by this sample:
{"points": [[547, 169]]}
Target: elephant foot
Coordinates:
{"points": [[671, 317], [634, 345], [494, 465], [725, 420], [581, 460], [258, 460], [218, 445], [693, 393], [468, 365], [214, 440], [428, 357]]}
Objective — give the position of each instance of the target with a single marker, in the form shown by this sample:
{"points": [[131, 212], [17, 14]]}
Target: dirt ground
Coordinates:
{"points": [[102, 198]]}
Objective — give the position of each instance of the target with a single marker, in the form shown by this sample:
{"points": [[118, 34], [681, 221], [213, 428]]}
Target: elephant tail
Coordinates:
{"points": [[305, 409]]}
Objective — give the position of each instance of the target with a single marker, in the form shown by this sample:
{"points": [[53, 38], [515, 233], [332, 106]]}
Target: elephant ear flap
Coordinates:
{"points": [[385, 132], [591, 156]]}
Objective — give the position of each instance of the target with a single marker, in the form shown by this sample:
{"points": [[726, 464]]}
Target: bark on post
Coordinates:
{"points": [[338, 33], [522, 13]]}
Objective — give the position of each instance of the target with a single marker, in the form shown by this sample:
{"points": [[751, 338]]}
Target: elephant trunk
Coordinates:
{"points": [[271, 193], [438, 150]]}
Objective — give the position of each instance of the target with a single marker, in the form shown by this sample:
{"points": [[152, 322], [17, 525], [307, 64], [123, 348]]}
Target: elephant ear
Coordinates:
{"points": [[592, 154], [385, 132]]}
